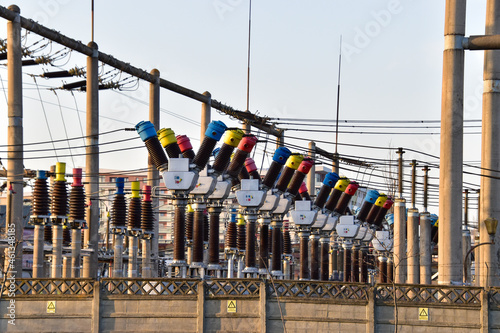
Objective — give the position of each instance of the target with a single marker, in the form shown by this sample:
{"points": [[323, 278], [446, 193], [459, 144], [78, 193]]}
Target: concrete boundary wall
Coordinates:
{"points": [[239, 305]]}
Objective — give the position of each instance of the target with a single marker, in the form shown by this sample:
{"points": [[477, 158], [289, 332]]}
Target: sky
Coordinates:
{"points": [[391, 70]]}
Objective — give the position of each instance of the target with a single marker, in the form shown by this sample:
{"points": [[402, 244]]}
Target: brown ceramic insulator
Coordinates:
{"points": [[390, 272], [173, 150], [156, 153], [235, 182], [59, 202], [305, 195], [206, 148], [250, 245], [189, 225], [47, 233], [41, 198], [347, 265], [118, 211], [66, 236], [340, 260], [198, 226], [304, 258], [354, 266], [179, 223], [334, 264], [380, 216], [241, 237], [206, 228], [243, 174], [296, 182], [314, 259], [322, 196], [276, 250], [134, 213], [264, 243], [333, 199], [284, 179], [237, 163], [324, 262], [272, 174], [363, 266], [382, 271], [363, 212], [77, 203], [189, 153], [222, 159], [341, 206], [231, 235], [270, 241], [373, 214], [287, 243], [254, 175], [147, 216], [434, 234], [213, 240]]}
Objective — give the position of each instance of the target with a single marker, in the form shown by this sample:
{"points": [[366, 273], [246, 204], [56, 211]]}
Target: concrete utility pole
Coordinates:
{"points": [[451, 155], [15, 169], [400, 227], [466, 241], [425, 236], [311, 176], [206, 109], [92, 162], [413, 251], [490, 153], [153, 174]]}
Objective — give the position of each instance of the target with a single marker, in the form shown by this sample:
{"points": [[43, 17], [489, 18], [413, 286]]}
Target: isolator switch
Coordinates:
{"points": [[331, 223], [250, 195], [302, 215], [382, 241], [346, 228], [178, 176]]}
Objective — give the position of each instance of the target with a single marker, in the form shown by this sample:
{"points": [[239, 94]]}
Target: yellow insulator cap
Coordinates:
{"points": [[136, 186], [233, 137], [342, 183], [241, 220], [166, 136], [60, 171], [294, 161], [189, 209], [382, 198]]}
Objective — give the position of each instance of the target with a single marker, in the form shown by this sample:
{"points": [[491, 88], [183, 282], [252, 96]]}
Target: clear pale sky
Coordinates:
{"points": [[391, 68]]}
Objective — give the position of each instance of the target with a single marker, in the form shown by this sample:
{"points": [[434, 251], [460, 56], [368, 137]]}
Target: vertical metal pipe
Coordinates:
{"points": [[118, 256], [76, 247], [400, 241], [38, 254], [92, 159], [57, 238], [413, 251], [132, 256], [311, 176], [425, 248], [451, 152], [314, 242], [15, 168], [400, 152], [146, 258], [304, 256], [426, 187], [153, 174], [466, 207]]}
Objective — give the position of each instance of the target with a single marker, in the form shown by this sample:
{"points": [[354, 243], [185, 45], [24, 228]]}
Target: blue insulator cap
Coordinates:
{"points": [[331, 179], [390, 219], [216, 152], [371, 196], [41, 174], [146, 130], [281, 155], [120, 184], [434, 219], [215, 130], [233, 215]]}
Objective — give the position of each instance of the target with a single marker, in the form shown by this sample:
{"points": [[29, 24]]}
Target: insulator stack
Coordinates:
{"points": [[314, 241], [213, 246], [264, 249], [287, 242], [339, 188], [119, 206], [382, 270], [189, 223], [212, 136], [148, 135], [59, 202], [252, 168], [341, 206], [354, 266], [244, 148], [232, 138], [198, 233], [241, 235], [169, 142], [179, 223], [299, 176], [376, 208], [147, 216], [370, 199], [77, 197], [363, 266], [134, 208], [41, 198], [276, 249], [280, 157], [304, 193], [328, 183], [347, 265], [269, 241], [231, 232], [324, 261], [250, 245], [304, 258], [243, 174], [66, 236], [382, 211], [206, 227], [185, 147], [292, 164]]}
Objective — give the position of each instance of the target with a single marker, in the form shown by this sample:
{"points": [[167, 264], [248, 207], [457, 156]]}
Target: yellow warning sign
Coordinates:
{"points": [[423, 313], [231, 306], [51, 307]]}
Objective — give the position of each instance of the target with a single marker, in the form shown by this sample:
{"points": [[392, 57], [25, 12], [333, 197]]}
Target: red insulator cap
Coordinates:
{"points": [[77, 177], [303, 188], [306, 165], [146, 190], [388, 204], [250, 165], [246, 144], [184, 143], [351, 188]]}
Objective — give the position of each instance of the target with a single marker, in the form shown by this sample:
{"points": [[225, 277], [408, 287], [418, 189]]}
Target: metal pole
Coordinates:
{"points": [[400, 152], [15, 169], [92, 159], [400, 241], [146, 258], [153, 174], [413, 251], [425, 248], [451, 155], [132, 256], [38, 253], [57, 240], [118, 256], [76, 246], [311, 176], [206, 109], [490, 159], [413, 183]]}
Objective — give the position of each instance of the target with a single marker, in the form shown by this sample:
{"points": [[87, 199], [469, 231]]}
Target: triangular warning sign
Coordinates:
{"points": [[423, 313], [51, 306], [231, 305]]}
